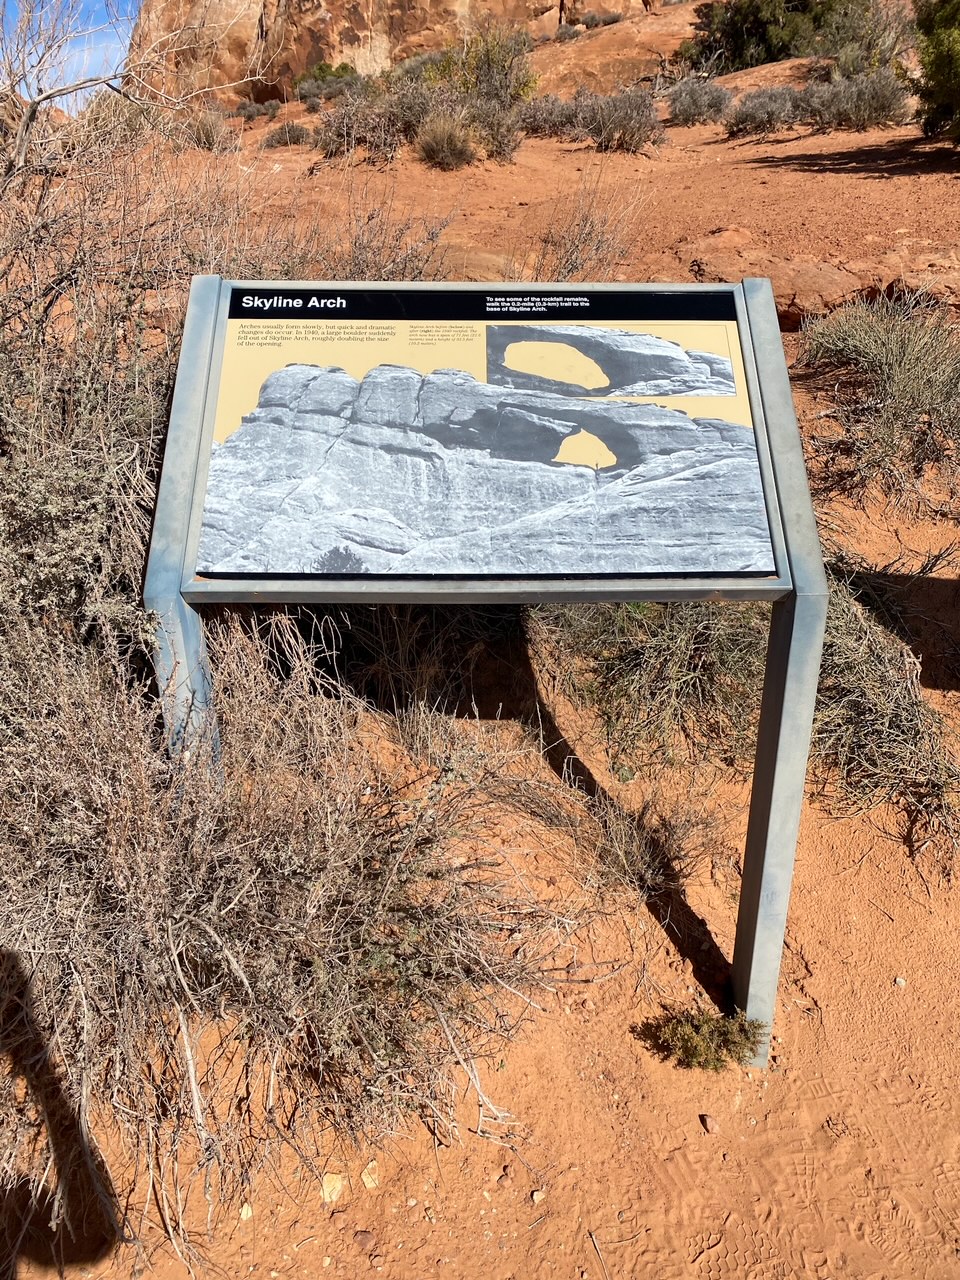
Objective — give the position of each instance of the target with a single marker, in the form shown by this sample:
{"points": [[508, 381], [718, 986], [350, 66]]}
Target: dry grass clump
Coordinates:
{"points": [[898, 407], [669, 679], [685, 680], [876, 740], [584, 234], [653, 850], [444, 142]]}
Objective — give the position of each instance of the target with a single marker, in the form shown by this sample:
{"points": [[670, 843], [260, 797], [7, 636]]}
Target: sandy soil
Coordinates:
{"points": [[843, 1159]]}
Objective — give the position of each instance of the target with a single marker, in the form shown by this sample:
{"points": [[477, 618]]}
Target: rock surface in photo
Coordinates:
{"points": [[634, 364], [402, 473]]}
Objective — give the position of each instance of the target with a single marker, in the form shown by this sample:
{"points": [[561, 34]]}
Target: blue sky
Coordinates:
{"points": [[103, 36]]}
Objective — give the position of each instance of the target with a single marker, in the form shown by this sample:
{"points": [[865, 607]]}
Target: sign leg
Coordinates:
{"points": [[184, 681], [783, 744]]}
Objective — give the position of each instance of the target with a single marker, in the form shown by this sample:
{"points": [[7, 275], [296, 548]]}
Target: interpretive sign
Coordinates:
{"points": [[417, 432], [359, 442]]}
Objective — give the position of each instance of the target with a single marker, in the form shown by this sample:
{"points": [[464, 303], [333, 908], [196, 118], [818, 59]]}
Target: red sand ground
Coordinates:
{"points": [[842, 1161]]}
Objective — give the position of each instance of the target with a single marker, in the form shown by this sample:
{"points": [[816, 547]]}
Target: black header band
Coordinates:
{"points": [[275, 302]]}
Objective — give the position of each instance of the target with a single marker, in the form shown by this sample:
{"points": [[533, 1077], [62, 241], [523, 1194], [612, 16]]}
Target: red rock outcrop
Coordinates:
{"points": [[189, 45]]}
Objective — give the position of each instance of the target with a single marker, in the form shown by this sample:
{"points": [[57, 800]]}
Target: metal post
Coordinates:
{"points": [[180, 657], [783, 743]]}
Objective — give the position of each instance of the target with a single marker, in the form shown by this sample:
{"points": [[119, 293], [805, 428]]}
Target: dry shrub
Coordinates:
{"points": [[548, 117], [367, 123], [765, 111], [876, 740], [651, 851], [624, 121], [898, 409], [336, 934], [288, 134], [124, 883], [584, 234], [667, 678], [697, 101]]}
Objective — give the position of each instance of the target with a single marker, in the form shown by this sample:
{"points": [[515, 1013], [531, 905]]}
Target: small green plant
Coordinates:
{"points": [[707, 1040], [765, 111], [444, 142], [288, 134], [697, 101], [567, 33]]}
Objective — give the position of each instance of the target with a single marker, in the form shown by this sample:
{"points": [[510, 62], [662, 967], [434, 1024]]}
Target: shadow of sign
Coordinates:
{"points": [[498, 680], [77, 1221]]}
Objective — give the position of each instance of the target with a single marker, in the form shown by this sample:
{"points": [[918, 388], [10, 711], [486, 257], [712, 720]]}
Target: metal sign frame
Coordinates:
{"points": [[797, 591]]}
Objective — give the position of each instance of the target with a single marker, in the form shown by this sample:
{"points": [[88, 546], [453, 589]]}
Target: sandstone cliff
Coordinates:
{"points": [[203, 44]]}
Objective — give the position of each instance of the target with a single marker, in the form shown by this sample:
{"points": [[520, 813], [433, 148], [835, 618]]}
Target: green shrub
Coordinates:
{"points": [[938, 22], [567, 33], [746, 33], [863, 102], [705, 1039], [862, 36], [288, 135], [444, 142], [326, 86], [493, 67], [625, 121], [698, 101], [765, 111]]}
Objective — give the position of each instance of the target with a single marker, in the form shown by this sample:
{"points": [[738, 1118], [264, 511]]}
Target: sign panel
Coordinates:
{"points": [[482, 433]]}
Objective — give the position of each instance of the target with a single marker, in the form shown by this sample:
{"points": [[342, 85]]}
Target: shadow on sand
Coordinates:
{"points": [[877, 160], [83, 1210]]}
